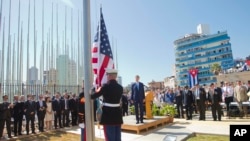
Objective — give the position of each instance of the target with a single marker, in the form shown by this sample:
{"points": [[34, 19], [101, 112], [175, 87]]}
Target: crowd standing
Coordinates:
{"points": [[200, 98], [67, 109], [28, 116]]}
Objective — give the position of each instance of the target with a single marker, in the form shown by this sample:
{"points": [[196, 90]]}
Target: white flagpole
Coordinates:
{"points": [[3, 50], [18, 48], [9, 47], [28, 43], [89, 127], [35, 33]]}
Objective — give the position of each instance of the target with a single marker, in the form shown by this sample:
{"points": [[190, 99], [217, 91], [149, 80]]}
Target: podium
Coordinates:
{"points": [[149, 96]]}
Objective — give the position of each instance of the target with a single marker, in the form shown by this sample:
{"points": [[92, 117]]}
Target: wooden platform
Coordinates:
{"points": [[129, 123]]}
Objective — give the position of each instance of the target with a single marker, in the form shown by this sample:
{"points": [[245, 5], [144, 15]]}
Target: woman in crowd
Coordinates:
{"points": [[49, 114]]}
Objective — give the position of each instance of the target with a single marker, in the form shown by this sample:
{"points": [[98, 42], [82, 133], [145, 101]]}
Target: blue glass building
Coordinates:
{"points": [[201, 51]]}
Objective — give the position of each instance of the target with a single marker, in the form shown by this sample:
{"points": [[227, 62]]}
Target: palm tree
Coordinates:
{"points": [[215, 68]]}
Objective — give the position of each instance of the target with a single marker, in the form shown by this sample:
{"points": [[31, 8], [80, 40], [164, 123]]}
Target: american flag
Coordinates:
{"points": [[102, 57]]}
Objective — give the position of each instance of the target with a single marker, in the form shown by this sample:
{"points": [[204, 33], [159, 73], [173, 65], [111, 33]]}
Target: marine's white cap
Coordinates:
{"points": [[110, 71]]}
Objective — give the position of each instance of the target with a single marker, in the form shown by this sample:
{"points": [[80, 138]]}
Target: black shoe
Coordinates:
{"points": [[33, 132], [20, 134], [137, 122], [142, 122], [15, 134]]}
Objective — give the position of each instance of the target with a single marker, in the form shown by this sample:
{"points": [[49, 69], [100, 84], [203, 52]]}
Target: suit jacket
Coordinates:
{"points": [[57, 105], [17, 110], [137, 95], [188, 98], [124, 101], [73, 104], [41, 110], [30, 107], [202, 94], [240, 93], [5, 111], [215, 96], [178, 98]]}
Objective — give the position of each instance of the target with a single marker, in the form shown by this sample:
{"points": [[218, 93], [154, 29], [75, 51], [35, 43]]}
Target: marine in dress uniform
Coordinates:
{"points": [[111, 118]]}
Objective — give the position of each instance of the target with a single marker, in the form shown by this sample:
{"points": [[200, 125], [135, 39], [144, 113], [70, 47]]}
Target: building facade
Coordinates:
{"points": [[201, 51]]}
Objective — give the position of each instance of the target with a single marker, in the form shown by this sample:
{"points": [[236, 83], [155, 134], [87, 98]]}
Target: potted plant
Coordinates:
{"points": [[170, 111]]}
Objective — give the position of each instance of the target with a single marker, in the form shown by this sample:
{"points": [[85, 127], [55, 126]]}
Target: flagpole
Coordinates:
{"points": [[18, 47], [28, 42], [89, 127], [3, 48]]}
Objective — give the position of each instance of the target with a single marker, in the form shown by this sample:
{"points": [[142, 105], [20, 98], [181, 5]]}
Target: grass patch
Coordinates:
{"points": [[53, 136], [205, 137]]}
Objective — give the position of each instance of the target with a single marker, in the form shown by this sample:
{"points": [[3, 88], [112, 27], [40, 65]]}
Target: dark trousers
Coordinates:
{"points": [[66, 118], [30, 118], [228, 100], [18, 121], [57, 118], [216, 111], [137, 106], [112, 132], [189, 111], [41, 116], [179, 107], [2, 123], [202, 109], [74, 117], [125, 110]]}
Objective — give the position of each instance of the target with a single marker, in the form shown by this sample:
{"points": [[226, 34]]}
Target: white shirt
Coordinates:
{"points": [[227, 91]]}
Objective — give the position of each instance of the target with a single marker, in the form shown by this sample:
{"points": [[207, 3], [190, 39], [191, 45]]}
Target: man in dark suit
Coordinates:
{"points": [[41, 111], [17, 115], [137, 98], [200, 97], [57, 108], [124, 104], [215, 98], [178, 100], [73, 109], [188, 101], [65, 110], [30, 110], [5, 110]]}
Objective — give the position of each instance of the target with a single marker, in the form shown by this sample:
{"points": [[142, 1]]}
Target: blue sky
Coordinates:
{"points": [[143, 31]]}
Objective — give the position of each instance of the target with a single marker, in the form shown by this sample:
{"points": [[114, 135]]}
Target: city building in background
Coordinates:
{"points": [[170, 82], [201, 50], [33, 75]]}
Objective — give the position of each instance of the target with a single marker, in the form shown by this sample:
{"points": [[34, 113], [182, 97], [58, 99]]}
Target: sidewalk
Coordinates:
{"points": [[180, 130]]}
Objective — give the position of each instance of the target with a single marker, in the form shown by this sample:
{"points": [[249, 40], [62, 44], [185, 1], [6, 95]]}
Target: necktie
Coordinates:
{"points": [[66, 104], [197, 93]]}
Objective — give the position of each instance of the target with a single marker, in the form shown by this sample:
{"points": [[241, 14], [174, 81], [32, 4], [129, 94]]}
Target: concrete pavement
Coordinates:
{"points": [[180, 130]]}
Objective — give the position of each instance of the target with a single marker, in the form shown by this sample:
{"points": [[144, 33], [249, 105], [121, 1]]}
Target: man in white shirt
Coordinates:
{"points": [[227, 93]]}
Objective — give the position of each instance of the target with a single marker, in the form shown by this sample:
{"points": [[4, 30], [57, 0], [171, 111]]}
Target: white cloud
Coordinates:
{"points": [[68, 2]]}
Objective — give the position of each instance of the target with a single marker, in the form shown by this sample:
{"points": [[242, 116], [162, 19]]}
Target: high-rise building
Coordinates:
{"points": [[201, 50], [33, 75], [66, 71], [62, 66], [72, 73]]}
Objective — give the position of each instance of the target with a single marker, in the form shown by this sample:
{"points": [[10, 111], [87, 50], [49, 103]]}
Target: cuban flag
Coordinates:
{"points": [[193, 77]]}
